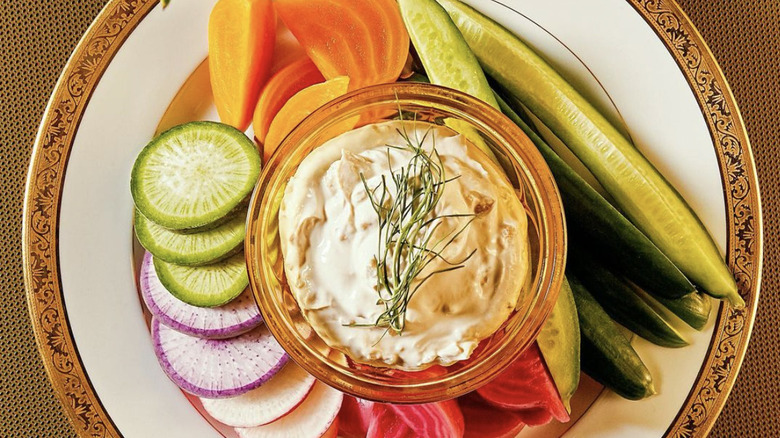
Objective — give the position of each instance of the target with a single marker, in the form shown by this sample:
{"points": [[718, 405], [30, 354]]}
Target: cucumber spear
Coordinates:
{"points": [[637, 187]]}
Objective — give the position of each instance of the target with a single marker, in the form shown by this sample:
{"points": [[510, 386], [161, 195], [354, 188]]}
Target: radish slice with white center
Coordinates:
{"points": [[216, 368], [232, 319], [265, 404], [309, 420]]}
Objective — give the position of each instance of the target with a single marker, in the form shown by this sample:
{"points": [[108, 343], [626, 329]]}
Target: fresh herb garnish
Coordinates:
{"points": [[407, 223]]}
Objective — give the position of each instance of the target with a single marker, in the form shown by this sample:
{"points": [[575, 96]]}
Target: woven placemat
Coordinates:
{"points": [[744, 35], [37, 37]]}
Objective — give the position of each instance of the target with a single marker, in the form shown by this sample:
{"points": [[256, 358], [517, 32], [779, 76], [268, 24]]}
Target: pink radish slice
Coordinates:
{"points": [[216, 368], [277, 397], [232, 319], [309, 420]]}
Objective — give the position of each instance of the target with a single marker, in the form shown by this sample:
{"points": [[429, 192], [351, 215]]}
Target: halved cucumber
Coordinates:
{"points": [[637, 187], [693, 308], [194, 174], [446, 56], [620, 301], [607, 356], [605, 230], [205, 286], [559, 342], [191, 249]]}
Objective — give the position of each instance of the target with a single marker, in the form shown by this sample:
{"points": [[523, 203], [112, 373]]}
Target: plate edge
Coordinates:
{"points": [[51, 150], [716, 100], [666, 18]]}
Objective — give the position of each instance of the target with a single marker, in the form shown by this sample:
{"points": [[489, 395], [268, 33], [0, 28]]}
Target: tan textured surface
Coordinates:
{"points": [[36, 38], [745, 38], [35, 41]]}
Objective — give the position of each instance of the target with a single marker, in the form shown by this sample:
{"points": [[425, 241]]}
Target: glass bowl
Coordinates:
{"points": [[527, 172]]}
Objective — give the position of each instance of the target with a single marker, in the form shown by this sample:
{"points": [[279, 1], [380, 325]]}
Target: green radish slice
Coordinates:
{"points": [[191, 249], [194, 175], [205, 286], [559, 342], [637, 187], [228, 321]]}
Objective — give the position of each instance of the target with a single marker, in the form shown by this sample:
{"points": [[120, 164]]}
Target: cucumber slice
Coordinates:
{"points": [[637, 187], [194, 175], [559, 342], [620, 301], [605, 230], [191, 249], [607, 356], [205, 286]]}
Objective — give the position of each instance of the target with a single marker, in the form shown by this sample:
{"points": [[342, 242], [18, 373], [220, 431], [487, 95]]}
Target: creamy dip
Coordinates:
{"points": [[330, 233]]}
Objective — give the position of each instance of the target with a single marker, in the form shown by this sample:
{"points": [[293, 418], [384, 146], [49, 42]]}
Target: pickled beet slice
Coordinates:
{"points": [[486, 421], [386, 424], [441, 419], [526, 385], [355, 417]]}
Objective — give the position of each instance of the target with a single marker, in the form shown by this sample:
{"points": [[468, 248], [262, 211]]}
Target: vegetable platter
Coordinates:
{"points": [[638, 66]]}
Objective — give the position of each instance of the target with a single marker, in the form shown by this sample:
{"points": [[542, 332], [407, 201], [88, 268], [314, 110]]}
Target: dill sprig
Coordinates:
{"points": [[407, 224]]}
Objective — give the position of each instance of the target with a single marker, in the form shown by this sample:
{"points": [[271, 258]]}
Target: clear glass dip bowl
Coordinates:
{"points": [[534, 186]]}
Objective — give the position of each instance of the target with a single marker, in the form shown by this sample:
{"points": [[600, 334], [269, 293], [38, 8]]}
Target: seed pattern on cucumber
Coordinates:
{"points": [[191, 249], [636, 186], [194, 174], [205, 286], [559, 343], [607, 356], [620, 300]]}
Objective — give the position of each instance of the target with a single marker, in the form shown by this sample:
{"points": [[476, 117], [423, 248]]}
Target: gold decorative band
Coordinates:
{"points": [[42, 208], [743, 212]]}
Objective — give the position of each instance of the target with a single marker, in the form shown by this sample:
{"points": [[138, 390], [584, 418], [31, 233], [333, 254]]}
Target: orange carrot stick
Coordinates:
{"points": [[241, 41], [298, 107], [280, 88], [365, 40]]}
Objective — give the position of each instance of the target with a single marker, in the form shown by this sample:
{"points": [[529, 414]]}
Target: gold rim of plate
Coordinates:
{"points": [[118, 20]]}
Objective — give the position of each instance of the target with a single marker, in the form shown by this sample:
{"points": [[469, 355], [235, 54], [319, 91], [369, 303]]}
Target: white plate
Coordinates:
{"points": [[131, 64]]}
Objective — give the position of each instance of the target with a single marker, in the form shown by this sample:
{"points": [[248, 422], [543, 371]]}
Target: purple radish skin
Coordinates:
{"points": [[263, 405], [237, 317], [218, 368]]}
